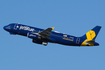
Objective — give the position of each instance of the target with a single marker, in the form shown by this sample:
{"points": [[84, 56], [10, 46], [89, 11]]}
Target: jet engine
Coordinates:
{"points": [[37, 41], [40, 42]]}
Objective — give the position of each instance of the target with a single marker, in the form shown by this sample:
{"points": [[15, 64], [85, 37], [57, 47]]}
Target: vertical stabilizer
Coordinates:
{"points": [[91, 35]]}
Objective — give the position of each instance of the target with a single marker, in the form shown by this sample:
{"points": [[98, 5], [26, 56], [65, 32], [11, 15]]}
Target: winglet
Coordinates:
{"points": [[53, 27]]}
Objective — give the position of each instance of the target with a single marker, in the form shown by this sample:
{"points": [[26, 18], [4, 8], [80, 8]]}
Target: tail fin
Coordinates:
{"points": [[89, 37], [92, 34]]}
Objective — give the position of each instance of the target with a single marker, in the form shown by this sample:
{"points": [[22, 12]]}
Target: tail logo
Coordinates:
{"points": [[90, 36]]}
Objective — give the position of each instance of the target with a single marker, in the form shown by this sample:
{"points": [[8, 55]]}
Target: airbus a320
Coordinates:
{"points": [[43, 36]]}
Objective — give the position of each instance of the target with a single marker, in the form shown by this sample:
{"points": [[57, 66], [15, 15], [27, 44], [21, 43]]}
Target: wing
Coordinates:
{"points": [[46, 32]]}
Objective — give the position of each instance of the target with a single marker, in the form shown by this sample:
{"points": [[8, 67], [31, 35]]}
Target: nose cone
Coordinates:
{"points": [[7, 28], [4, 27]]}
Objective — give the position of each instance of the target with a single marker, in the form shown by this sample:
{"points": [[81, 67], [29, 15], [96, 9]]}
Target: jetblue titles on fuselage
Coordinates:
{"points": [[26, 28], [43, 36]]}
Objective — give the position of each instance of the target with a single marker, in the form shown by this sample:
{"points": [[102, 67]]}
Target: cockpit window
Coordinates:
{"points": [[9, 24]]}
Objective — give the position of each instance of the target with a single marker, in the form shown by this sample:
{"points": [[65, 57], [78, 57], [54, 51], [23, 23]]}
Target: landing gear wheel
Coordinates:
{"points": [[45, 43]]}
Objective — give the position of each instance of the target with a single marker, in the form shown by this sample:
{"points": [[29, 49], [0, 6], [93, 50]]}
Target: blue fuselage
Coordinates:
{"points": [[54, 37]]}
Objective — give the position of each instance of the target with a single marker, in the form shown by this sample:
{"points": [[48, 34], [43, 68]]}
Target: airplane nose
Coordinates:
{"points": [[4, 27]]}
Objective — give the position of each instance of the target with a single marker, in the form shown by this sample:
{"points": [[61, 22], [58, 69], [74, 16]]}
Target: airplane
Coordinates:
{"points": [[43, 36]]}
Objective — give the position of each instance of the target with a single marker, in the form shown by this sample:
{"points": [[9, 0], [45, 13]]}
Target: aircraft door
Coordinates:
{"points": [[16, 26], [78, 40]]}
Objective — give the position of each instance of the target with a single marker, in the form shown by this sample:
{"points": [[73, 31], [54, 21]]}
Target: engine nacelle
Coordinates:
{"points": [[33, 36], [40, 42], [37, 41]]}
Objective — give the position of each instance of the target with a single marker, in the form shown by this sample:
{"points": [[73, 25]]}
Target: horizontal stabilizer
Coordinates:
{"points": [[90, 42], [90, 36]]}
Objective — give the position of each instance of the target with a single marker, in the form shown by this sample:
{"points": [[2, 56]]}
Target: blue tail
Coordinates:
{"points": [[96, 30], [90, 36]]}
